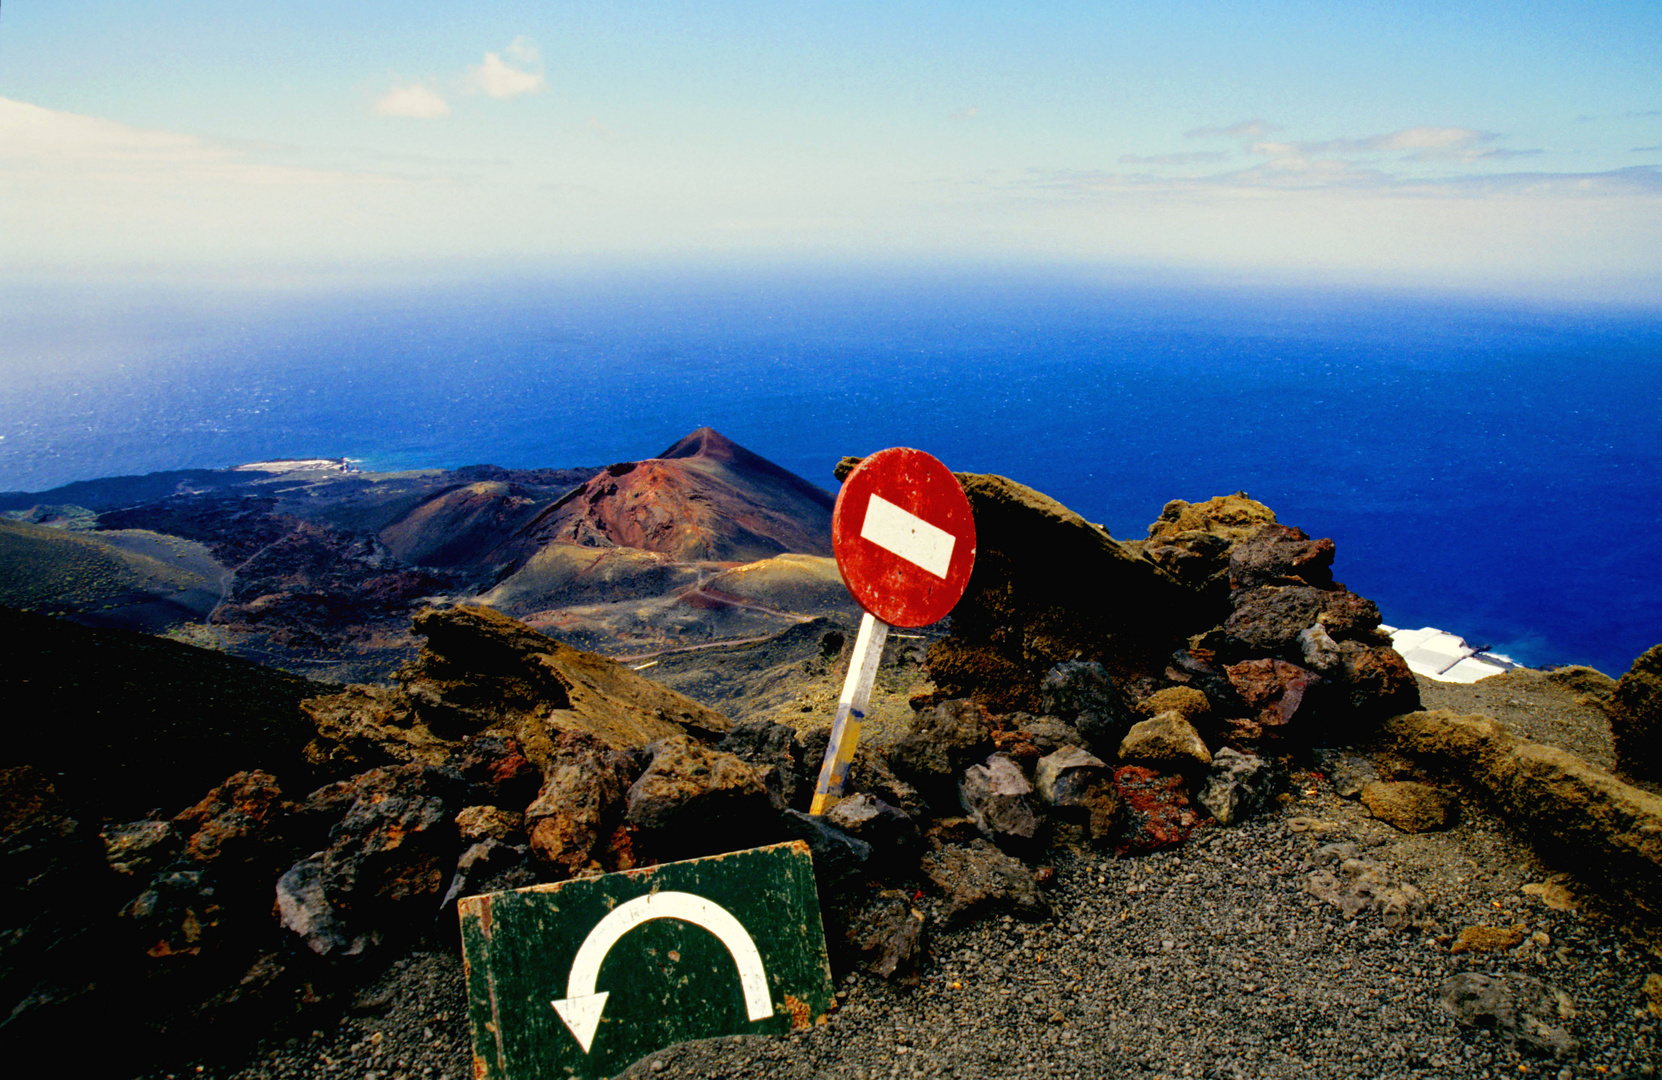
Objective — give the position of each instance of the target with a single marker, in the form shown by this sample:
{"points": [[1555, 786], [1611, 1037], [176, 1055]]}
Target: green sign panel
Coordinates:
{"points": [[582, 978]]}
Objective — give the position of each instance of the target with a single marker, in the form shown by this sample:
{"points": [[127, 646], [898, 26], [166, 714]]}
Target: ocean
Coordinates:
{"points": [[1491, 468]]}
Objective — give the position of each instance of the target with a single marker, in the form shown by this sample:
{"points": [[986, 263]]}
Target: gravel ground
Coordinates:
{"points": [[1214, 960]]}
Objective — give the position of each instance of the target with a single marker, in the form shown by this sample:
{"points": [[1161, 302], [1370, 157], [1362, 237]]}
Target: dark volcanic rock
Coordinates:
{"points": [[890, 831], [385, 872], [1049, 586], [1635, 710], [775, 752], [1082, 693], [943, 739], [886, 933], [1377, 684], [1281, 555], [693, 801], [977, 879], [838, 857]]}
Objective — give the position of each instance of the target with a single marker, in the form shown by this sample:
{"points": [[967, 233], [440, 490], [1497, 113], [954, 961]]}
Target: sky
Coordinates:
{"points": [[1508, 147]]}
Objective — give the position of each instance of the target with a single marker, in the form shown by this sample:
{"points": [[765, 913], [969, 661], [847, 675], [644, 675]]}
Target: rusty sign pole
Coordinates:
{"points": [[851, 710]]}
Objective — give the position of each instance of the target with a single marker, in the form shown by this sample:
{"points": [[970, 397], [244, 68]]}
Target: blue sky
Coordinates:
{"points": [[1504, 147]]}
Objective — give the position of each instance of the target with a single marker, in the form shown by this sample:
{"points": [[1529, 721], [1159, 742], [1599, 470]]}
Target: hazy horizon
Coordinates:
{"points": [[1486, 151]]}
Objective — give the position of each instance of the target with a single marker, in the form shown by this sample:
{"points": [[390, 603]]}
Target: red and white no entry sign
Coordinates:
{"points": [[904, 537], [905, 543]]}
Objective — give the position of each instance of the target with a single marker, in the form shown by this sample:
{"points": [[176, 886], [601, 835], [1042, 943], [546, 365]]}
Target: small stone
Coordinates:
{"points": [[1487, 939]]}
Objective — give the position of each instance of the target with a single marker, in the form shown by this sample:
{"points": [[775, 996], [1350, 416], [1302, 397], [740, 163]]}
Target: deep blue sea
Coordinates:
{"points": [[1494, 469]]}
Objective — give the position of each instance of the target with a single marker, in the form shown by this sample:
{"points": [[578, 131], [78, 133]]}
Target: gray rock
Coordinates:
{"points": [[304, 909], [977, 878], [1167, 740], [1064, 776], [995, 795], [1079, 786], [1349, 773], [890, 831], [1081, 693], [1319, 651], [1518, 1008], [1238, 786], [1358, 886]]}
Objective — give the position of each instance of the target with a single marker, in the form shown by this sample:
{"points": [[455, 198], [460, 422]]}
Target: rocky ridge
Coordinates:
{"points": [[1052, 747]]}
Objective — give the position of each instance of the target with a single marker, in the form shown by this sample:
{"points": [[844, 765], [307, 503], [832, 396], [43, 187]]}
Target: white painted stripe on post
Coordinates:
{"points": [[909, 536]]}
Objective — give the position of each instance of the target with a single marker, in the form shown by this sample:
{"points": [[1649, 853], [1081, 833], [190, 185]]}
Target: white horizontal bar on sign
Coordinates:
{"points": [[909, 536]]}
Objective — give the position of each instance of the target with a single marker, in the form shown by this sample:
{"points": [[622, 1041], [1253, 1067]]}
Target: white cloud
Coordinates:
{"points": [[501, 80], [413, 102], [38, 141]]}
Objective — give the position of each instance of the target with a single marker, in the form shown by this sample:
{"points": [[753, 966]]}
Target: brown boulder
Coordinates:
{"points": [[1268, 619], [1231, 517], [1275, 690], [694, 801], [976, 878], [240, 822], [1281, 555], [1635, 711], [1167, 740], [1411, 806], [580, 806], [1605, 830], [1049, 586]]}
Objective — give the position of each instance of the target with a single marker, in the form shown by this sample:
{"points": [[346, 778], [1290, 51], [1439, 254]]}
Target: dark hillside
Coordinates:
{"points": [[120, 722]]}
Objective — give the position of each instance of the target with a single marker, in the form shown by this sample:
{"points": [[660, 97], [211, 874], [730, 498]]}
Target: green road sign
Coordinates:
{"points": [[582, 978]]}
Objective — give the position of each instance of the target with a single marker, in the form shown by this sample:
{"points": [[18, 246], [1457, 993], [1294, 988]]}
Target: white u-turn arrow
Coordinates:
{"points": [[582, 1006]]}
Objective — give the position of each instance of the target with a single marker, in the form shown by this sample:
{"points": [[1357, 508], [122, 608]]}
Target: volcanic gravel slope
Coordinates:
{"points": [[1213, 960]]}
